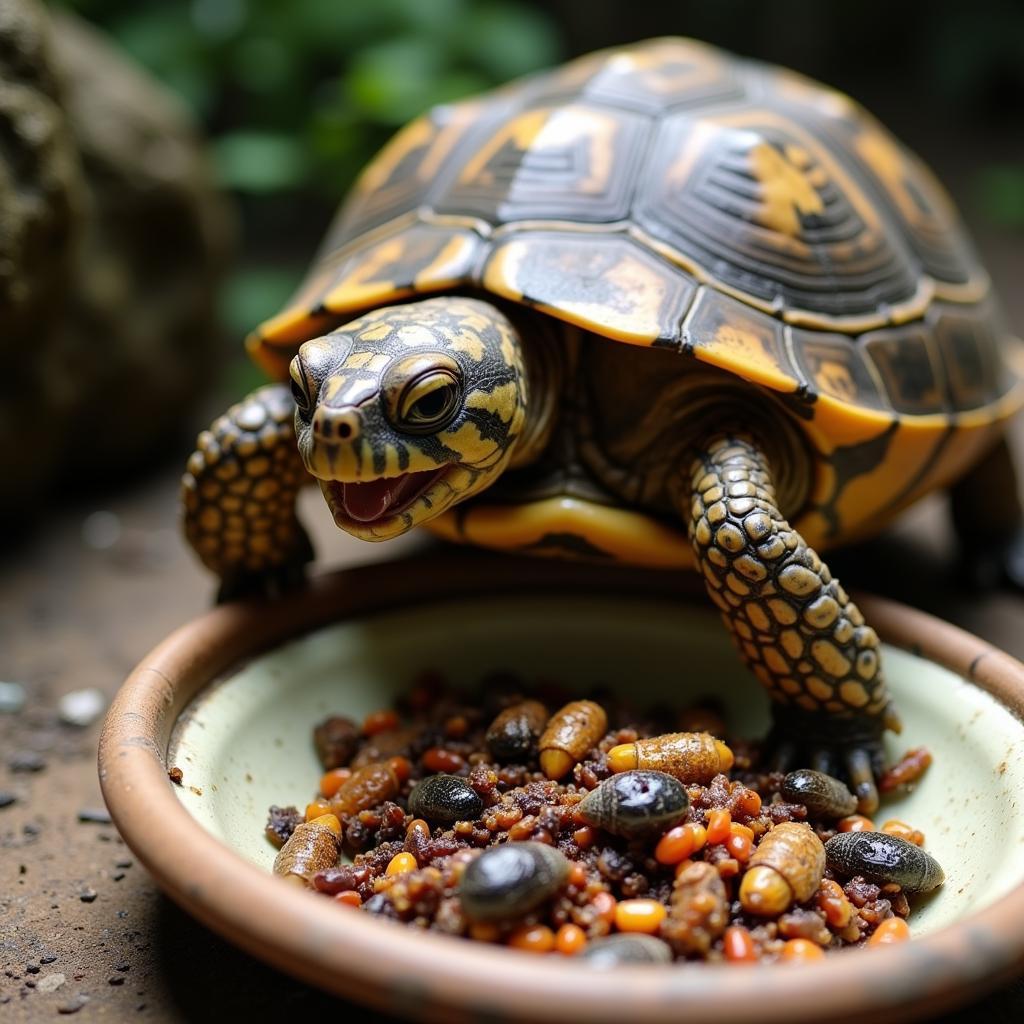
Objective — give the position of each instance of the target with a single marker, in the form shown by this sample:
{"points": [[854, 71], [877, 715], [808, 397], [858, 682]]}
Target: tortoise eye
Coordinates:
{"points": [[300, 390], [429, 402]]}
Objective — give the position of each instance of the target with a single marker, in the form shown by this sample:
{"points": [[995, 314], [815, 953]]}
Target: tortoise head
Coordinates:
{"points": [[408, 410]]}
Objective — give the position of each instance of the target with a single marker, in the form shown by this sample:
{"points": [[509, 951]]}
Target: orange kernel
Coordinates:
{"points": [[585, 836], [400, 864], [484, 931], [331, 782], [533, 938], [802, 951], [718, 826], [749, 803], [317, 808], [900, 829], [675, 845], [892, 929], [570, 939], [856, 823], [401, 767], [739, 846], [639, 915]]}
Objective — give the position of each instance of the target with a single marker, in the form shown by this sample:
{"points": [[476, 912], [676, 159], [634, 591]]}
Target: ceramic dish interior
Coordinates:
{"points": [[243, 742]]}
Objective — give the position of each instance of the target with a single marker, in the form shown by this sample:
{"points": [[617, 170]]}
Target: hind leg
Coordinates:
{"points": [[989, 521], [793, 623]]}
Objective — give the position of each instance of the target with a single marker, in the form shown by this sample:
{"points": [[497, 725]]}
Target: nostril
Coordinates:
{"points": [[344, 430]]}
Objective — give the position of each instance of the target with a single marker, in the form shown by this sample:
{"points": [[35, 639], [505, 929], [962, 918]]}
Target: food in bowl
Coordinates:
{"points": [[584, 828]]}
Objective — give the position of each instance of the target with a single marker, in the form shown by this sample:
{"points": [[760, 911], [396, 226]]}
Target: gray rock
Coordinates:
{"points": [[12, 698], [112, 241]]}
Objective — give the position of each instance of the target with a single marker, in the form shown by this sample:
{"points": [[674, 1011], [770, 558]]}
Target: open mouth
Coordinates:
{"points": [[373, 500]]}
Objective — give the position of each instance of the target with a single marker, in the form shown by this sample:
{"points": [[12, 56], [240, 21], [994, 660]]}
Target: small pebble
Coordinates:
{"points": [[12, 698], [32, 968], [87, 895], [6, 798], [115, 979], [48, 959], [118, 876], [26, 761], [124, 862], [81, 707], [101, 530], [73, 1005], [51, 982], [175, 774], [94, 815]]}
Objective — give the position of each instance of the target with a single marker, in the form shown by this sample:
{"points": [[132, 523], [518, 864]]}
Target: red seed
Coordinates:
{"points": [[738, 945], [380, 721], [437, 759]]}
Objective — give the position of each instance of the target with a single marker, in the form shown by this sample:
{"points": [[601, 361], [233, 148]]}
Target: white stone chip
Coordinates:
{"points": [[50, 983], [82, 707]]}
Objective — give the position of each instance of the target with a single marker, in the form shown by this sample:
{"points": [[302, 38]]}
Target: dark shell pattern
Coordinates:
{"points": [[669, 194]]}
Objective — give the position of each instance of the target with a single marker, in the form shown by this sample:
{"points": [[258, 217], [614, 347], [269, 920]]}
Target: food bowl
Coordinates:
{"points": [[231, 699]]}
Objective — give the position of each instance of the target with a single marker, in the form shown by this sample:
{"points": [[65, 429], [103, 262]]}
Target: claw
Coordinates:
{"points": [[891, 719], [862, 781]]}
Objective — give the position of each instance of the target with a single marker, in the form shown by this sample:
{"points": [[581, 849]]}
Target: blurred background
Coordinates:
{"points": [[293, 99], [167, 168], [297, 97]]}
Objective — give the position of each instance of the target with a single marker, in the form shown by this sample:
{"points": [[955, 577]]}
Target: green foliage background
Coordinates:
{"points": [[298, 95]]}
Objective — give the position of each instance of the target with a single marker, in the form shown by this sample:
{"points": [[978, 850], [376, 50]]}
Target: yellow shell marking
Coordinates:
{"points": [[786, 189]]}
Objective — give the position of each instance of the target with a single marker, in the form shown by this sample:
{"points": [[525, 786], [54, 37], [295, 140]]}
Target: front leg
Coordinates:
{"points": [[239, 494], [795, 626]]}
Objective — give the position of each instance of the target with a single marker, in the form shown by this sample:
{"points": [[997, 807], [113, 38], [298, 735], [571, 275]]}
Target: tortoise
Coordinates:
{"points": [[661, 306]]}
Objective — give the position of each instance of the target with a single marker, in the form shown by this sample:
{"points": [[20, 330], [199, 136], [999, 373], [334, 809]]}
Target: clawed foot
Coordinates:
{"points": [[845, 747], [268, 583]]}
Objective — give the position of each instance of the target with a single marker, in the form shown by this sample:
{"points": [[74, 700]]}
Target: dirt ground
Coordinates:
{"points": [[82, 928]]}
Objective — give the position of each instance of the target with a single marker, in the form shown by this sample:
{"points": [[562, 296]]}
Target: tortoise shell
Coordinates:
{"points": [[670, 195]]}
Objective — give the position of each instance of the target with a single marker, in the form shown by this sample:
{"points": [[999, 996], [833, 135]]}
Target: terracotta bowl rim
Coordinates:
{"points": [[439, 978]]}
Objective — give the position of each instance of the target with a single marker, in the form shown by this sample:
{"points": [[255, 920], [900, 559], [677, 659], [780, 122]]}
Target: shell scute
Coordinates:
{"points": [[668, 194], [575, 162], [591, 280]]}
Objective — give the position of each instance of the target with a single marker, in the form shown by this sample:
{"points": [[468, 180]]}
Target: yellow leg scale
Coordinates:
{"points": [[793, 623], [239, 494]]}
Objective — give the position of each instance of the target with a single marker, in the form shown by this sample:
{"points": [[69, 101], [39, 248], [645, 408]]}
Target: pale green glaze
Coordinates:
{"points": [[245, 743]]}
